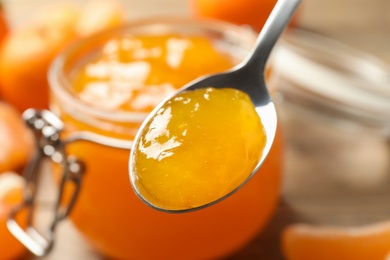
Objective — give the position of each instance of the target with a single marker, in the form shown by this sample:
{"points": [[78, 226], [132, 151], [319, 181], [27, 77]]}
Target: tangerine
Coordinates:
{"points": [[29, 50], [243, 12], [307, 242], [251, 12], [27, 53]]}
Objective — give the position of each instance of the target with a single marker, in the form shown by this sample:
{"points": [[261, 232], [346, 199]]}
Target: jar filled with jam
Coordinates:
{"points": [[102, 88]]}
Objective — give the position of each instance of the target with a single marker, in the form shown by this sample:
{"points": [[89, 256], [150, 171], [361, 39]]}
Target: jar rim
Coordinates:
{"points": [[320, 70], [61, 86]]}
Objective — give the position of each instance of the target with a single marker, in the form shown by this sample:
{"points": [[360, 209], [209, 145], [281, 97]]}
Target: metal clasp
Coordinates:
{"points": [[46, 128]]}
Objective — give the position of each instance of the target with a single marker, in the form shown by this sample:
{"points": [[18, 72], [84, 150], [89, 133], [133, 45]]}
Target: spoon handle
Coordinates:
{"points": [[273, 28]]}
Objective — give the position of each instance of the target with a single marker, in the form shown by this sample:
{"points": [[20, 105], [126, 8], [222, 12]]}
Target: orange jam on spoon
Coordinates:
{"points": [[198, 147]]}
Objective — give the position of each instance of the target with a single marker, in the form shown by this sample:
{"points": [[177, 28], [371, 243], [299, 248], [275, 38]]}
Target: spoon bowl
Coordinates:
{"points": [[248, 77]]}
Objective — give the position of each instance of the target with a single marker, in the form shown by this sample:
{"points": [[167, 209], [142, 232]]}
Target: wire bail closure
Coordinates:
{"points": [[46, 128]]}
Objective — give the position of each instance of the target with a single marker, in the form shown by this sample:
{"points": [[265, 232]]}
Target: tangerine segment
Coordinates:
{"points": [[16, 142], [198, 147], [307, 242], [11, 187]]}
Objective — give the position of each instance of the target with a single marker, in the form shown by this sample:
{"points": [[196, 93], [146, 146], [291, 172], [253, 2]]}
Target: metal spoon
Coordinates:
{"points": [[245, 77]]}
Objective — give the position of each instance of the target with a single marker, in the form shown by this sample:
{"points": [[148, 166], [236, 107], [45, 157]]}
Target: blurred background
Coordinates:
{"points": [[364, 24]]}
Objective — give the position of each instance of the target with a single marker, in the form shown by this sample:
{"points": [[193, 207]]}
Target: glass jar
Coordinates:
{"points": [[107, 212], [335, 109]]}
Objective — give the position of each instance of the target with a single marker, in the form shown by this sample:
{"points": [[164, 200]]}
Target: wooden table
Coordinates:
{"points": [[360, 23]]}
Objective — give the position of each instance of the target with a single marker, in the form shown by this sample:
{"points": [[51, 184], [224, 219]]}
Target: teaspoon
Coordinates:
{"points": [[248, 77]]}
